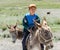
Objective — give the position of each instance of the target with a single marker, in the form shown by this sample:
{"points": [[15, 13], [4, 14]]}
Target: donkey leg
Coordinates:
{"points": [[42, 46], [28, 46], [39, 47], [13, 38], [46, 48]]}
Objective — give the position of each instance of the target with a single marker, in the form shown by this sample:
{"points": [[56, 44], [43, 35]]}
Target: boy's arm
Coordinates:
{"points": [[37, 19], [25, 23]]}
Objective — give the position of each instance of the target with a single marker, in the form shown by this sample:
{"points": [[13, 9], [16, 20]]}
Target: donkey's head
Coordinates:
{"points": [[12, 28], [44, 34]]}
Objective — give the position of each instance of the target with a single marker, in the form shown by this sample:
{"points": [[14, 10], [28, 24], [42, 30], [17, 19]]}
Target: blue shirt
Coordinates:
{"points": [[28, 20]]}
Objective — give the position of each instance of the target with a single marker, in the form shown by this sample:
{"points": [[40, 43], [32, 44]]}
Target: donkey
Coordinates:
{"points": [[42, 35], [16, 33]]}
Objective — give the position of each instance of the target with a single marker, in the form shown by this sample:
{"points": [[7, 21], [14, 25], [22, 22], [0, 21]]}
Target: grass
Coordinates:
{"points": [[13, 10], [54, 23], [23, 3]]}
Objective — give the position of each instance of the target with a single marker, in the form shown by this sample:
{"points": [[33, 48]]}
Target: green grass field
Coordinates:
{"points": [[13, 10], [23, 3]]}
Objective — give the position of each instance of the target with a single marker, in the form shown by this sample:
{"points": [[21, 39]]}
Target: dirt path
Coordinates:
{"points": [[6, 44]]}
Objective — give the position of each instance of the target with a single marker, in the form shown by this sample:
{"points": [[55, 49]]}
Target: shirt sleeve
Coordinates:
{"points": [[38, 19], [25, 23]]}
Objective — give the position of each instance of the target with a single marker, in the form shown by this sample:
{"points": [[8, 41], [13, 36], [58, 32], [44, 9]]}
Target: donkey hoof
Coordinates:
{"points": [[13, 41]]}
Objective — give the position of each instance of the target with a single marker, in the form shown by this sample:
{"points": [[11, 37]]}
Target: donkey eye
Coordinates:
{"points": [[45, 24], [46, 32]]}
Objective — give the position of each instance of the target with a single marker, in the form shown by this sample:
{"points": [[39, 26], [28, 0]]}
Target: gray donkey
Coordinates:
{"points": [[15, 32], [42, 35]]}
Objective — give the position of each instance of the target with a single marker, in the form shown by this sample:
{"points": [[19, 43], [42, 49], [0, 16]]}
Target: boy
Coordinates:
{"points": [[29, 23]]}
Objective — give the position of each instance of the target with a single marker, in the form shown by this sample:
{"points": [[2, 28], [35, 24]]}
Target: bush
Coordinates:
{"points": [[57, 21], [3, 29]]}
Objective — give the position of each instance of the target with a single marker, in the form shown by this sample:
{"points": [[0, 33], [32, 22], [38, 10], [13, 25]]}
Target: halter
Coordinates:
{"points": [[46, 41]]}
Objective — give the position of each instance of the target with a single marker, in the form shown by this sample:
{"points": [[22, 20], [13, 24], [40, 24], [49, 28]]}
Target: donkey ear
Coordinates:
{"points": [[15, 25], [37, 24], [9, 26], [44, 22], [44, 18]]}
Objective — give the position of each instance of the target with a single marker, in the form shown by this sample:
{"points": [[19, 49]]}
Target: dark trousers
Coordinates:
{"points": [[42, 46], [25, 34]]}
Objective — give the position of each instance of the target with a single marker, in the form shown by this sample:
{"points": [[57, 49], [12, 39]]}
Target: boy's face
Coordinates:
{"points": [[32, 10]]}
